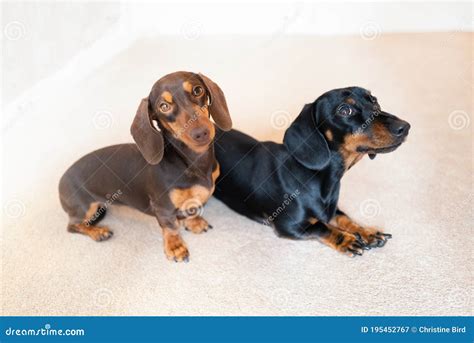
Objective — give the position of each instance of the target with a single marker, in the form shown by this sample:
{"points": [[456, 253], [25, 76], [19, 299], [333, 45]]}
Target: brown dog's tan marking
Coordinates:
{"points": [[312, 220], [196, 195], [174, 246], [216, 172], [93, 208], [167, 96], [97, 233], [185, 122], [187, 86]]}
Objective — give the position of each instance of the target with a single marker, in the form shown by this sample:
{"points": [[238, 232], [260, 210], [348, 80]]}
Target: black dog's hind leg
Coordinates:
{"points": [[370, 236]]}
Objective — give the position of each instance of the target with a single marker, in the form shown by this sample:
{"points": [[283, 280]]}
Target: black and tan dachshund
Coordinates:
{"points": [[294, 186], [169, 173]]}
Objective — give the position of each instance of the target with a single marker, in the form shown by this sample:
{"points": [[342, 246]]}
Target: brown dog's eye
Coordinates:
{"points": [[344, 110], [164, 107], [197, 91]]}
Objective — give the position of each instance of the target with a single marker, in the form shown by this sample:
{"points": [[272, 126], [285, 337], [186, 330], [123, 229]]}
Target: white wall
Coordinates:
{"points": [[40, 38], [299, 17], [56, 41]]}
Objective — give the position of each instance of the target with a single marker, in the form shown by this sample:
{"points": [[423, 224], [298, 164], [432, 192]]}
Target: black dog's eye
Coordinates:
{"points": [[197, 91], [164, 107], [344, 110]]}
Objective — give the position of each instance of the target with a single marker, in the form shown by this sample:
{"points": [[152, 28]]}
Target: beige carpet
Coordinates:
{"points": [[422, 193]]}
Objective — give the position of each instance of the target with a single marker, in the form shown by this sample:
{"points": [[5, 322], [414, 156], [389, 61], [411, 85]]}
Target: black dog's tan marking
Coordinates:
{"points": [[369, 236], [171, 168], [327, 138], [344, 242]]}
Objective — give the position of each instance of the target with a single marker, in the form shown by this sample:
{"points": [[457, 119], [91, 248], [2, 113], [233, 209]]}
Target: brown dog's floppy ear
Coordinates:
{"points": [[305, 142], [149, 140], [218, 105]]}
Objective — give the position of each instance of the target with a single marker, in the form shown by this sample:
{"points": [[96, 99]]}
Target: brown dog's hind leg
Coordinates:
{"points": [[93, 215], [371, 237], [97, 233]]}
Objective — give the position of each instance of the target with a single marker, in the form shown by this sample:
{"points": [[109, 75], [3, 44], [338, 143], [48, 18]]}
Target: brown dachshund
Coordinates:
{"points": [[169, 173]]}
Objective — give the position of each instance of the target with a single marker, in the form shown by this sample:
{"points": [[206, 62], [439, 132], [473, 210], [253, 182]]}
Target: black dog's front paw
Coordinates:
{"points": [[346, 243], [372, 238]]}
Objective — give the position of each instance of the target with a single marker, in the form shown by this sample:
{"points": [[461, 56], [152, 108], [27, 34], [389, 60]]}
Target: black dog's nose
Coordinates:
{"points": [[399, 128], [200, 134]]}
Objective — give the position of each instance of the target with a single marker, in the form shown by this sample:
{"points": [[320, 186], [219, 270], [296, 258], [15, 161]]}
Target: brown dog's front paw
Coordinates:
{"points": [[372, 238], [175, 248], [196, 224]]}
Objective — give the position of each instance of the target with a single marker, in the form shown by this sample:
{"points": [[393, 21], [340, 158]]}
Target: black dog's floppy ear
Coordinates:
{"points": [[218, 105], [305, 142], [149, 140]]}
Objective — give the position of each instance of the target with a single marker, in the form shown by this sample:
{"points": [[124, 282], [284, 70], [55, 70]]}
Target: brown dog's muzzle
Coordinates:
{"points": [[201, 135], [202, 132]]}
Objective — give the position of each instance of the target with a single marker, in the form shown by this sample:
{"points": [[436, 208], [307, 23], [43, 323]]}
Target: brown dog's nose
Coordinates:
{"points": [[200, 134], [399, 128]]}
